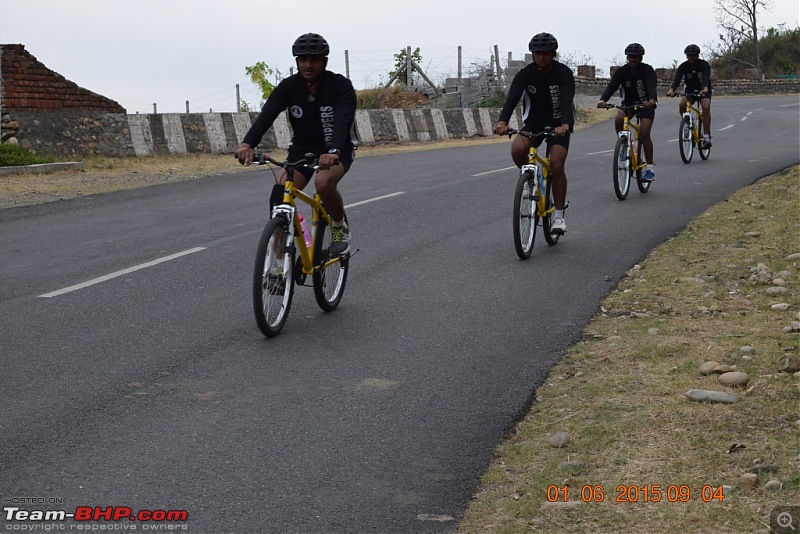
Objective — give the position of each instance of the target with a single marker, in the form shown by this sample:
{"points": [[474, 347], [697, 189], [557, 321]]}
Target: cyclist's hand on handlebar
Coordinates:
{"points": [[245, 154], [326, 161], [602, 104], [501, 128], [671, 93], [561, 130], [649, 104]]}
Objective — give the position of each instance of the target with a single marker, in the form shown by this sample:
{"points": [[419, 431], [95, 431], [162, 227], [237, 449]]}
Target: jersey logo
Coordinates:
{"points": [[532, 89], [296, 112]]}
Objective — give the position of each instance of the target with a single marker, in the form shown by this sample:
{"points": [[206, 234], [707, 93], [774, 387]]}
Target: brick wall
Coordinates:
{"points": [[26, 85]]}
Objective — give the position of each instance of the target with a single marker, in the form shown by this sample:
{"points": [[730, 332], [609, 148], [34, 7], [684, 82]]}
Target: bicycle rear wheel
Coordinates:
{"points": [[525, 218], [686, 140], [702, 149], [644, 185], [273, 277], [621, 168], [330, 272]]}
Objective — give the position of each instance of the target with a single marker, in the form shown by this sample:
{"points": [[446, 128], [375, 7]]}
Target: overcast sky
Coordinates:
{"points": [[170, 51]]}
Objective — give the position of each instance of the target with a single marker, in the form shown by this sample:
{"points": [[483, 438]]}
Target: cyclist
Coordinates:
{"points": [[549, 90], [696, 74], [322, 107], [638, 83]]}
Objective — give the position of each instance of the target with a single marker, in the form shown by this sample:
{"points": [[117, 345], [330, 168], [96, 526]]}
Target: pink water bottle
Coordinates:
{"points": [[304, 227]]}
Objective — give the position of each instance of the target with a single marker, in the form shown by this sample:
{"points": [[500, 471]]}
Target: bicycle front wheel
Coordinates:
{"points": [[273, 277], [330, 272], [621, 168], [643, 185], [702, 149], [525, 218], [686, 140], [547, 221]]}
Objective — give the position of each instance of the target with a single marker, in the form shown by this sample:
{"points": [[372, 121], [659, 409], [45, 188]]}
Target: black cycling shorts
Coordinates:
{"points": [[694, 99], [345, 158], [649, 113], [562, 140]]}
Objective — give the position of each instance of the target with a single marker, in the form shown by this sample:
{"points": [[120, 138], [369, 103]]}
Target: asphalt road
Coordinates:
{"points": [[151, 387]]}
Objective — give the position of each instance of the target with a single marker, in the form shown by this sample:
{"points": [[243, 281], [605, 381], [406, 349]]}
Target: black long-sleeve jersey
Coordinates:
{"points": [[694, 76], [320, 122], [549, 96], [639, 86]]}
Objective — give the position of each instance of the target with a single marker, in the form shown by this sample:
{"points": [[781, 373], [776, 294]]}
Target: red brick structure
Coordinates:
{"points": [[26, 85]]}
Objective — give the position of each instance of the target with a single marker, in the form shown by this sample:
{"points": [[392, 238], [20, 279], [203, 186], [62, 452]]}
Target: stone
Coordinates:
{"points": [[704, 395], [747, 481], [789, 363], [752, 234], [734, 379], [721, 369], [774, 485], [706, 368], [795, 256], [781, 306], [776, 290], [747, 348], [558, 439]]}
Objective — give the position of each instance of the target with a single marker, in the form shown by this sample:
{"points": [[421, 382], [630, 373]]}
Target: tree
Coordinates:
{"points": [[400, 74], [258, 74], [739, 21]]}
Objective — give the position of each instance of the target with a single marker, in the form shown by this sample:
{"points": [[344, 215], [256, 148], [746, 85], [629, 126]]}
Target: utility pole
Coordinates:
{"points": [[459, 63], [238, 100], [347, 64], [497, 63], [187, 106]]}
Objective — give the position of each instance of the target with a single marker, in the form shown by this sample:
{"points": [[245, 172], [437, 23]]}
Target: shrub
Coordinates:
{"points": [[13, 155]]}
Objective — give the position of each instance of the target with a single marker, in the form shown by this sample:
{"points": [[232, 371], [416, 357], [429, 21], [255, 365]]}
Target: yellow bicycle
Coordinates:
{"points": [[628, 159], [533, 199], [287, 255], [690, 133]]}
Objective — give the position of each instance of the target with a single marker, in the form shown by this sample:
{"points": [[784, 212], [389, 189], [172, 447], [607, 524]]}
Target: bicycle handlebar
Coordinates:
{"points": [[635, 107], [310, 160], [547, 132], [692, 94]]}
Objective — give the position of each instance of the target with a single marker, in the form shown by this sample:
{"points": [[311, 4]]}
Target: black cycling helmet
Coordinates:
{"points": [[692, 49], [310, 44], [543, 42], [634, 49]]}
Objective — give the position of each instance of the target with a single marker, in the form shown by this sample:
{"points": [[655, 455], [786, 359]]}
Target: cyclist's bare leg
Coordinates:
{"points": [[645, 126], [326, 182], [705, 104], [682, 105], [519, 150], [558, 158], [619, 121]]}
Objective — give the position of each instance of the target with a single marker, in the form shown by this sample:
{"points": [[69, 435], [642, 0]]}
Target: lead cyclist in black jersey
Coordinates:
{"points": [[322, 108], [549, 90]]}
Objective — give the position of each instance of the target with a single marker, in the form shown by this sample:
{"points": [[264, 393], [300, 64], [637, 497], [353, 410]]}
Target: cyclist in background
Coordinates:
{"points": [[696, 74], [549, 90], [322, 107], [638, 83]]}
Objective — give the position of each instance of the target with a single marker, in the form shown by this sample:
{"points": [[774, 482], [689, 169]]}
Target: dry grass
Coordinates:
{"points": [[619, 393]]}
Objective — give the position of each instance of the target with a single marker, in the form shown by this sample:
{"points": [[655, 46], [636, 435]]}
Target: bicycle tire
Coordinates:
{"points": [[272, 291], [547, 221], [525, 219], [686, 140], [704, 152], [643, 185], [621, 168], [329, 279]]}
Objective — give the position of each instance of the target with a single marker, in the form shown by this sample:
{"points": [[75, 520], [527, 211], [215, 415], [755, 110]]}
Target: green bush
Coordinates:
{"points": [[13, 155]]}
